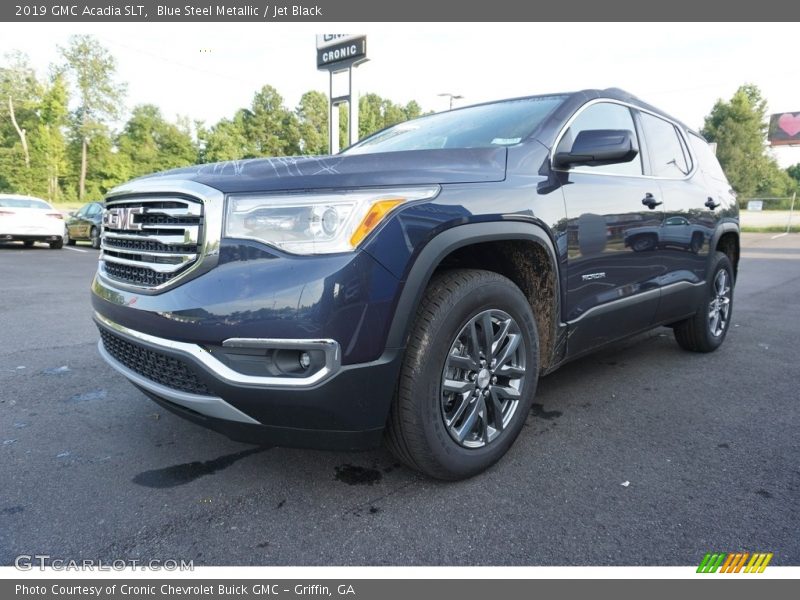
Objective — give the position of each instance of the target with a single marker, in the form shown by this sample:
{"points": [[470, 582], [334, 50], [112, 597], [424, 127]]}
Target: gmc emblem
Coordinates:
{"points": [[123, 218]]}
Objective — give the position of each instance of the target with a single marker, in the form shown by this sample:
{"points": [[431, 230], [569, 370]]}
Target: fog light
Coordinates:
{"points": [[305, 360]]}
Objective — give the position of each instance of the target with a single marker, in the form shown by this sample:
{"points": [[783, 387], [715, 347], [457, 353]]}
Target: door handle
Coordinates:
{"points": [[649, 201], [711, 204]]}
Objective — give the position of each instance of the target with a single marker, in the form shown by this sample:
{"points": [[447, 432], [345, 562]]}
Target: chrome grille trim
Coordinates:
{"points": [[164, 231], [155, 266]]}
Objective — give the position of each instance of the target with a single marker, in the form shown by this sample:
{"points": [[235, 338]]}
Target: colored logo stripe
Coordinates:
{"points": [[733, 562], [711, 562], [758, 563]]}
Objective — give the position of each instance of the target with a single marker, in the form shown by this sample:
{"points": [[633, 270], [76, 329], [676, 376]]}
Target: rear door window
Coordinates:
{"points": [[707, 160], [667, 154]]}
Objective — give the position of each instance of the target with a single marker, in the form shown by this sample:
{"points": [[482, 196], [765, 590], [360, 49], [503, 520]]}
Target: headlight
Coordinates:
{"points": [[316, 223]]}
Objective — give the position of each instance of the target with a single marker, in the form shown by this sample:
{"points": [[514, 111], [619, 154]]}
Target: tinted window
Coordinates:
{"points": [[497, 124], [676, 221], [708, 162], [667, 157], [603, 116], [94, 209]]}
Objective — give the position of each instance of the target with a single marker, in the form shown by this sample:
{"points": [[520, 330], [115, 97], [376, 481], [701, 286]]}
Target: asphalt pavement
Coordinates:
{"points": [[642, 454]]}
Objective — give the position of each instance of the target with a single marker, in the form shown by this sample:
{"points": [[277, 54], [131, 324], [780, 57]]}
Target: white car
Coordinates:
{"points": [[27, 219]]}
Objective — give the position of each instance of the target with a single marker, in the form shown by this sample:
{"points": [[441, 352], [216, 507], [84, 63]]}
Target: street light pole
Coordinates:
{"points": [[452, 97]]}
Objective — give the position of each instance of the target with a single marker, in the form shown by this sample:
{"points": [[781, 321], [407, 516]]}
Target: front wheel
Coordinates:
{"points": [[468, 377], [706, 330]]}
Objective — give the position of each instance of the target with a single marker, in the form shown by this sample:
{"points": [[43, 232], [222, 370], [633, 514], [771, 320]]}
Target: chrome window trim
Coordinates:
{"points": [[583, 107], [213, 202], [199, 355]]}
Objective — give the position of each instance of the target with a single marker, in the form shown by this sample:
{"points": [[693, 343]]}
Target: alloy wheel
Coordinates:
{"points": [[719, 309], [483, 377]]}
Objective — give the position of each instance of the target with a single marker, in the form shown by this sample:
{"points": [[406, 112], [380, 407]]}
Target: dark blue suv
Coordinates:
{"points": [[413, 288]]}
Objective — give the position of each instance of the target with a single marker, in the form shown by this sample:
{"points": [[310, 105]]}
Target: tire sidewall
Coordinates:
{"points": [[464, 305]]}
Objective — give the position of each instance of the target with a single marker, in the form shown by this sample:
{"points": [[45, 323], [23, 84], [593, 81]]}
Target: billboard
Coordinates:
{"points": [[784, 129]]}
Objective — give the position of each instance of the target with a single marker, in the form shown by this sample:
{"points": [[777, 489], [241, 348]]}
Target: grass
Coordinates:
{"points": [[771, 229]]}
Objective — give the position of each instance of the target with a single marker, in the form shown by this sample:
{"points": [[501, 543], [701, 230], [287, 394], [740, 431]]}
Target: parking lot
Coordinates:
{"points": [[90, 468]]}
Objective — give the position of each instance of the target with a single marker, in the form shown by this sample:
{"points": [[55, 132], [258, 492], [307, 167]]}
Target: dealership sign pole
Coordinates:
{"points": [[339, 53]]}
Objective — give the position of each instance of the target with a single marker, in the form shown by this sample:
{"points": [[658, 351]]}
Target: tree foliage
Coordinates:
{"points": [[794, 173], [93, 72], [739, 128], [149, 143]]}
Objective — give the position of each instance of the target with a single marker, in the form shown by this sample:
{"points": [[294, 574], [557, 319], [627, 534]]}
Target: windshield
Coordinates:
{"points": [[498, 124], [23, 203]]}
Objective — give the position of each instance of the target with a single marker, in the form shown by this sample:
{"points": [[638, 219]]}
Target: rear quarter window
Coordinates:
{"points": [[708, 162]]}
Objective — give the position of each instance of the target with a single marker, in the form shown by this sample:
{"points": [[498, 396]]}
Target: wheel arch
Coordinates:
{"points": [[726, 239], [520, 242]]}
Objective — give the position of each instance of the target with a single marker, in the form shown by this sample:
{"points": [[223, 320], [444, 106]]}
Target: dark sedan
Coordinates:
{"points": [[85, 224]]}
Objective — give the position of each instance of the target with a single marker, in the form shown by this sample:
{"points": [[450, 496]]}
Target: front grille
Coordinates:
{"points": [[155, 366], [140, 276], [150, 241], [146, 245]]}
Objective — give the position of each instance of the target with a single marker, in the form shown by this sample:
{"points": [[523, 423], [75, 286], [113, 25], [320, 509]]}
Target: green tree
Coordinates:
{"points": [[93, 71], [224, 141], [105, 168], [20, 93], [48, 145], [794, 173], [376, 113], [739, 128], [149, 143], [312, 115], [270, 128]]}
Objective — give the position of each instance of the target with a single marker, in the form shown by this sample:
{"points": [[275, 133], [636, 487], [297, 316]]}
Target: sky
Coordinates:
{"points": [[208, 71]]}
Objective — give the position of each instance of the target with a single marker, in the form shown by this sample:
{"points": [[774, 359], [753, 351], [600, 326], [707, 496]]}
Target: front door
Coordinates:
{"points": [[614, 213]]}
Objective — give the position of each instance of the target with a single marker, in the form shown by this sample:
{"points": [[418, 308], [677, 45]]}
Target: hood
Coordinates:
{"points": [[471, 165]]}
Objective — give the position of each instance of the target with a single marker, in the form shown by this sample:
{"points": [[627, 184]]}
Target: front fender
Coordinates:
{"points": [[432, 254]]}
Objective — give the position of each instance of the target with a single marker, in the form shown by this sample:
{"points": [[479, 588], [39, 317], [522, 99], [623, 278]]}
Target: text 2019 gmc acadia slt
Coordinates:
{"points": [[414, 287]]}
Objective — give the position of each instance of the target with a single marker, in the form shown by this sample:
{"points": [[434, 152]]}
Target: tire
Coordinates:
{"points": [[68, 239], [57, 245], [424, 423], [706, 330], [94, 236], [643, 243], [28, 243]]}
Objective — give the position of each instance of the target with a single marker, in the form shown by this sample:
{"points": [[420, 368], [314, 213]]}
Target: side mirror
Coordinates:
{"points": [[593, 147]]}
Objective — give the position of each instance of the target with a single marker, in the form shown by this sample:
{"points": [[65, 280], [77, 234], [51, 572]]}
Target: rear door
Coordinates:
{"points": [[689, 221], [612, 290]]}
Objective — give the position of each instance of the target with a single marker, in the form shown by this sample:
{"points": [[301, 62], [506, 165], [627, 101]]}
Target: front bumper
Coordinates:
{"points": [[340, 407]]}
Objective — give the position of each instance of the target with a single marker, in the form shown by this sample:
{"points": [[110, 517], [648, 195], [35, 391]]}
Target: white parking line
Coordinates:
{"points": [[74, 249]]}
